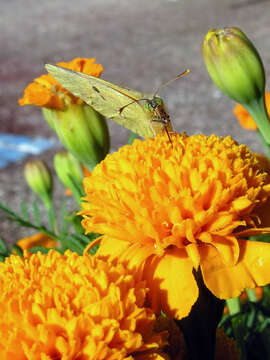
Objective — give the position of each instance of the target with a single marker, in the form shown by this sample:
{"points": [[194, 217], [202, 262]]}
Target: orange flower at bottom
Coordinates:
{"points": [[245, 120], [74, 307], [168, 207], [39, 239]]}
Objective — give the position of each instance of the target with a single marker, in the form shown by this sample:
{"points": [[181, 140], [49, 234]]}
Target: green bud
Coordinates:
{"points": [[39, 179], [69, 171], [82, 131], [235, 66]]}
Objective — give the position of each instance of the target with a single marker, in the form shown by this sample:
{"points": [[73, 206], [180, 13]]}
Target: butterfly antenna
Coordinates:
{"points": [[170, 81]]}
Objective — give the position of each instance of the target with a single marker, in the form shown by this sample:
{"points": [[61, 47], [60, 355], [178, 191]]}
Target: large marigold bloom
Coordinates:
{"points": [[74, 307], [46, 92], [168, 206], [245, 120]]}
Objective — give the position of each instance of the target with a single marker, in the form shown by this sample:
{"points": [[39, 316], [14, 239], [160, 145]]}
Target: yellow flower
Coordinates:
{"points": [[170, 207], [74, 307], [245, 120], [39, 239], [46, 92]]}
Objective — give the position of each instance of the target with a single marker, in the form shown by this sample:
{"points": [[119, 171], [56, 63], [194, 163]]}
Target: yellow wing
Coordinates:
{"points": [[107, 99]]}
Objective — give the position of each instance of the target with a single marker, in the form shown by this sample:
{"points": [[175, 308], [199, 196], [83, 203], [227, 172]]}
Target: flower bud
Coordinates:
{"points": [[69, 171], [39, 179], [235, 66], [82, 130]]}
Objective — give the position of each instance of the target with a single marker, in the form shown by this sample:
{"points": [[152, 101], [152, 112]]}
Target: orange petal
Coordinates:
{"points": [[252, 269], [173, 288], [228, 248], [132, 255]]}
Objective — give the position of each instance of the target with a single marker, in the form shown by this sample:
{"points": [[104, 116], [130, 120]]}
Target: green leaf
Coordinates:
{"points": [[132, 137], [42, 249], [64, 220], [17, 249], [3, 248], [24, 210], [36, 213], [51, 217]]}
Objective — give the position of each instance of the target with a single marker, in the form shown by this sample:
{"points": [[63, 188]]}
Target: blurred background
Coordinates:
{"points": [[141, 44]]}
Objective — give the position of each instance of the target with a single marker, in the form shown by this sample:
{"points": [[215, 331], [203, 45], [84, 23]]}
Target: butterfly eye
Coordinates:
{"points": [[158, 101], [148, 105]]}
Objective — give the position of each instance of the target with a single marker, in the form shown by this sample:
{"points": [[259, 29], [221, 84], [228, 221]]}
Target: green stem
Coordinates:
{"points": [[233, 305], [237, 324], [252, 295], [257, 110], [266, 147]]}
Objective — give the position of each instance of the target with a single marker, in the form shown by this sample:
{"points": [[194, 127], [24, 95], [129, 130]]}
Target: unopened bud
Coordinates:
{"points": [[235, 66], [68, 169], [39, 179], [82, 131]]}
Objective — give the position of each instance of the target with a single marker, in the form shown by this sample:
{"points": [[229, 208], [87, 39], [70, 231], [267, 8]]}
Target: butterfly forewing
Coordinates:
{"points": [[107, 99]]}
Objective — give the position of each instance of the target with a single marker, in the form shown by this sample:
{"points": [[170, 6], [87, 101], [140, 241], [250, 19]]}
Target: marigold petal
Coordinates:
{"points": [[252, 269], [228, 248], [173, 288]]}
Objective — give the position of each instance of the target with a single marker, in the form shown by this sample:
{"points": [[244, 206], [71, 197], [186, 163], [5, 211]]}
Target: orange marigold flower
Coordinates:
{"points": [[245, 120], [46, 92], [170, 207], [74, 307], [39, 239]]}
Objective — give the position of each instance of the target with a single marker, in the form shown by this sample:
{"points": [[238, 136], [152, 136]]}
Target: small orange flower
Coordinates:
{"points": [[46, 92], [39, 239], [170, 207], [245, 120], [74, 307]]}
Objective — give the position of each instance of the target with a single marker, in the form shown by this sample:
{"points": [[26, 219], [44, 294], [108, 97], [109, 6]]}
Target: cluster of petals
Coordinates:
{"points": [[245, 120], [168, 206], [66, 307], [46, 92]]}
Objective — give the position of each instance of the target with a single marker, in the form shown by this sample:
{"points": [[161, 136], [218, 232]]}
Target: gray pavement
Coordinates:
{"points": [[141, 44]]}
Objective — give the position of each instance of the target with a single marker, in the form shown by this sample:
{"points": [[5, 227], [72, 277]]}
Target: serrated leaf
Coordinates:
{"points": [[36, 213], [24, 211], [51, 217], [42, 249], [64, 220]]}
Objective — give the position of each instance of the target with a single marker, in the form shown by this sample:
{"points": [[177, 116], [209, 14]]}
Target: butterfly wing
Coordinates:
{"points": [[107, 99]]}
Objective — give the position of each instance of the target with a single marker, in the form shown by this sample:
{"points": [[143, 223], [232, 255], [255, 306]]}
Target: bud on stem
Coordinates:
{"points": [[39, 179], [235, 66]]}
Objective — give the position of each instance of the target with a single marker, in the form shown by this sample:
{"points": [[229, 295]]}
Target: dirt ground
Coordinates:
{"points": [[141, 44]]}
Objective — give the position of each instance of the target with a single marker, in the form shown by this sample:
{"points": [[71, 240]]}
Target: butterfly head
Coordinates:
{"points": [[156, 103]]}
